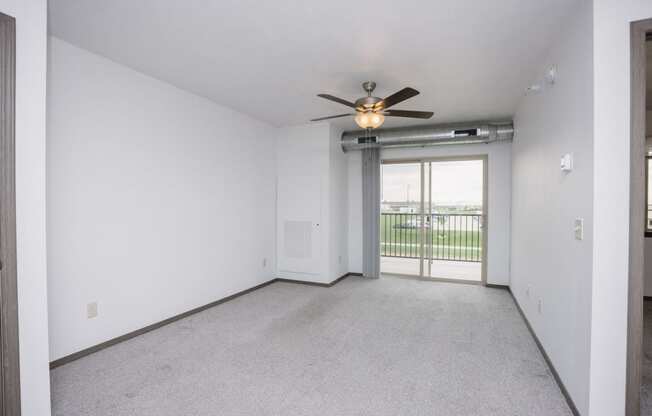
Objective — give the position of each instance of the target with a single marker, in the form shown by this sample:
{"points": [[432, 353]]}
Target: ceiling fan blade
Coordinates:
{"points": [[337, 100], [329, 117], [397, 97], [408, 113]]}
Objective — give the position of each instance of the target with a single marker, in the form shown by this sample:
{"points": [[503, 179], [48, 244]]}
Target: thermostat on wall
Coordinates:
{"points": [[567, 162]]}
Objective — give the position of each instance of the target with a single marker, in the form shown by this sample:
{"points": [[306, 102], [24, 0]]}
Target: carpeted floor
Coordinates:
{"points": [[363, 347], [646, 384]]}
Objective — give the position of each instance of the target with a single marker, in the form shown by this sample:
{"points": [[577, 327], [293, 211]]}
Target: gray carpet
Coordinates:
{"points": [[363, 347], [646, 384]]}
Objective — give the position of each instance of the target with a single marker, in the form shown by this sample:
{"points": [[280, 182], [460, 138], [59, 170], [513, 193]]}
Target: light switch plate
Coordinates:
{"points": [[579, 228], [566, 162]]}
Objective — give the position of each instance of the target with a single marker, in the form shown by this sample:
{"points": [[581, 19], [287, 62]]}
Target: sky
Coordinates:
{"points": [[454, 182]]}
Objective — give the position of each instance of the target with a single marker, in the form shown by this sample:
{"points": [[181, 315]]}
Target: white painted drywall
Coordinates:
{"points": [[31, 61], [339, 194], [159, 201], [546, 261], [498, 210], [611, 64], [312, 150], [303, 152]]}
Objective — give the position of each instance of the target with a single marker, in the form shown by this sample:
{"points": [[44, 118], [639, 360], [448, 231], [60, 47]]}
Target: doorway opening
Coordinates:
{"points": [[433, 218]]}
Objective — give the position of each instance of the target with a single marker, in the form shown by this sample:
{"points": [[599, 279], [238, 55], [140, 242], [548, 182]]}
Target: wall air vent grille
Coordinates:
{"points": [[298, 239]]}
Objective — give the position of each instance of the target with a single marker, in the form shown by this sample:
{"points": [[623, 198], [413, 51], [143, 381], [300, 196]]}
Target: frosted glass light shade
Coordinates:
{"points": [[369, 120]]}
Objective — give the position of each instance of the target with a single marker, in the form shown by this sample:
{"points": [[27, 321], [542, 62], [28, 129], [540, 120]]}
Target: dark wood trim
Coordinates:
{"points": [[9, 349], [562, 387], [434, 279], [87, 351], [637, 187], [647, 298], [493, 286], [79, 354], [552, 368], [303, 282], [648, 232], [75, 356]]}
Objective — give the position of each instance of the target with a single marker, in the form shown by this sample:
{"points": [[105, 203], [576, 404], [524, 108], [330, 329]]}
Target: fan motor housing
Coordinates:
{"points": [[367, 103]]}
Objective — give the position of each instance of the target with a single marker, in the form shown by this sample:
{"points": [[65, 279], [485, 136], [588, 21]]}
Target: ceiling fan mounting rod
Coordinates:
{"points": [[369, 86]]}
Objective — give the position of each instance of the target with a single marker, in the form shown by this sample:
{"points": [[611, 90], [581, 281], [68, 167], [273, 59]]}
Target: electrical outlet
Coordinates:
{"points": [[265, 262], [527, 291], [91, 310], [339, 259], [540, 306]]}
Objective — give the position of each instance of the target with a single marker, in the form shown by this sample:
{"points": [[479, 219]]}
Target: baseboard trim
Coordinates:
{"points": [[494, 286], [433, 279], [304, 282], [95, 348], [553, 370]]}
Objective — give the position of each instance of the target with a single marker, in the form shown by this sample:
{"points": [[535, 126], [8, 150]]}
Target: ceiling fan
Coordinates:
{"points": [[370, 112]]}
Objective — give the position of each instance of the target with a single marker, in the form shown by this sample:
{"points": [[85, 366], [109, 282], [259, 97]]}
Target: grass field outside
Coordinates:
{"points": [[453, 236]]}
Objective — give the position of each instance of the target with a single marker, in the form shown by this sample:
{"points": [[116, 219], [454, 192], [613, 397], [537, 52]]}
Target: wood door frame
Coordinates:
{"points": [[484, 157], [637, 210], [9, 349]]}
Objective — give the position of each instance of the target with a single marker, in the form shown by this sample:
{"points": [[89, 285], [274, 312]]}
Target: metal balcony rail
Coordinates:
{"points": [[454, 237]]}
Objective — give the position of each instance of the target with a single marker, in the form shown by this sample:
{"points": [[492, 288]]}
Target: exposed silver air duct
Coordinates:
{"points": [[418, 136]]}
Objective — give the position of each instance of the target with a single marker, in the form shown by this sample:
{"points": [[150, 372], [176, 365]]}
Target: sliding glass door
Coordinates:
{"points": [[401, 218], [433, 218]]}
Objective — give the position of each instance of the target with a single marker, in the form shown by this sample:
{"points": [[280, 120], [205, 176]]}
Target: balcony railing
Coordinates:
{"points": [[455, 237]]}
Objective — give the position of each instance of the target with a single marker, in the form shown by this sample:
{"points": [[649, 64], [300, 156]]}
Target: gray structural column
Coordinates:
{"points": [[371, 213]]}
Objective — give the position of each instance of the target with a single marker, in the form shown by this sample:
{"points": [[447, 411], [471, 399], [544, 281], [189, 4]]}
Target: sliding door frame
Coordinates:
{"points": [[485, 209], [9, 368]]}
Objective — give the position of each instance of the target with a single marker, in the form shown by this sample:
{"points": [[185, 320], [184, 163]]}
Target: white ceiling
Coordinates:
{"points": [[471, 59]]}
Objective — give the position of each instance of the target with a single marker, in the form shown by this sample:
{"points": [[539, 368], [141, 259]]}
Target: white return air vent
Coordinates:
{"points": [[297, 242]]}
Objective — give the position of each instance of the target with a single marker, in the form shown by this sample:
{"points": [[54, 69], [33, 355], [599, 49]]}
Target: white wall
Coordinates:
{"points": [[498, 210], [546, 259], [31, 53], [339, 201], [159, 201], [611, 50], [313, 151]]}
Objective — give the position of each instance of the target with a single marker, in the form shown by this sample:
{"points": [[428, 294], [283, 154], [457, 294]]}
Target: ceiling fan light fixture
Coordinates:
{"points": [[369, 120], [370, 112]]}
